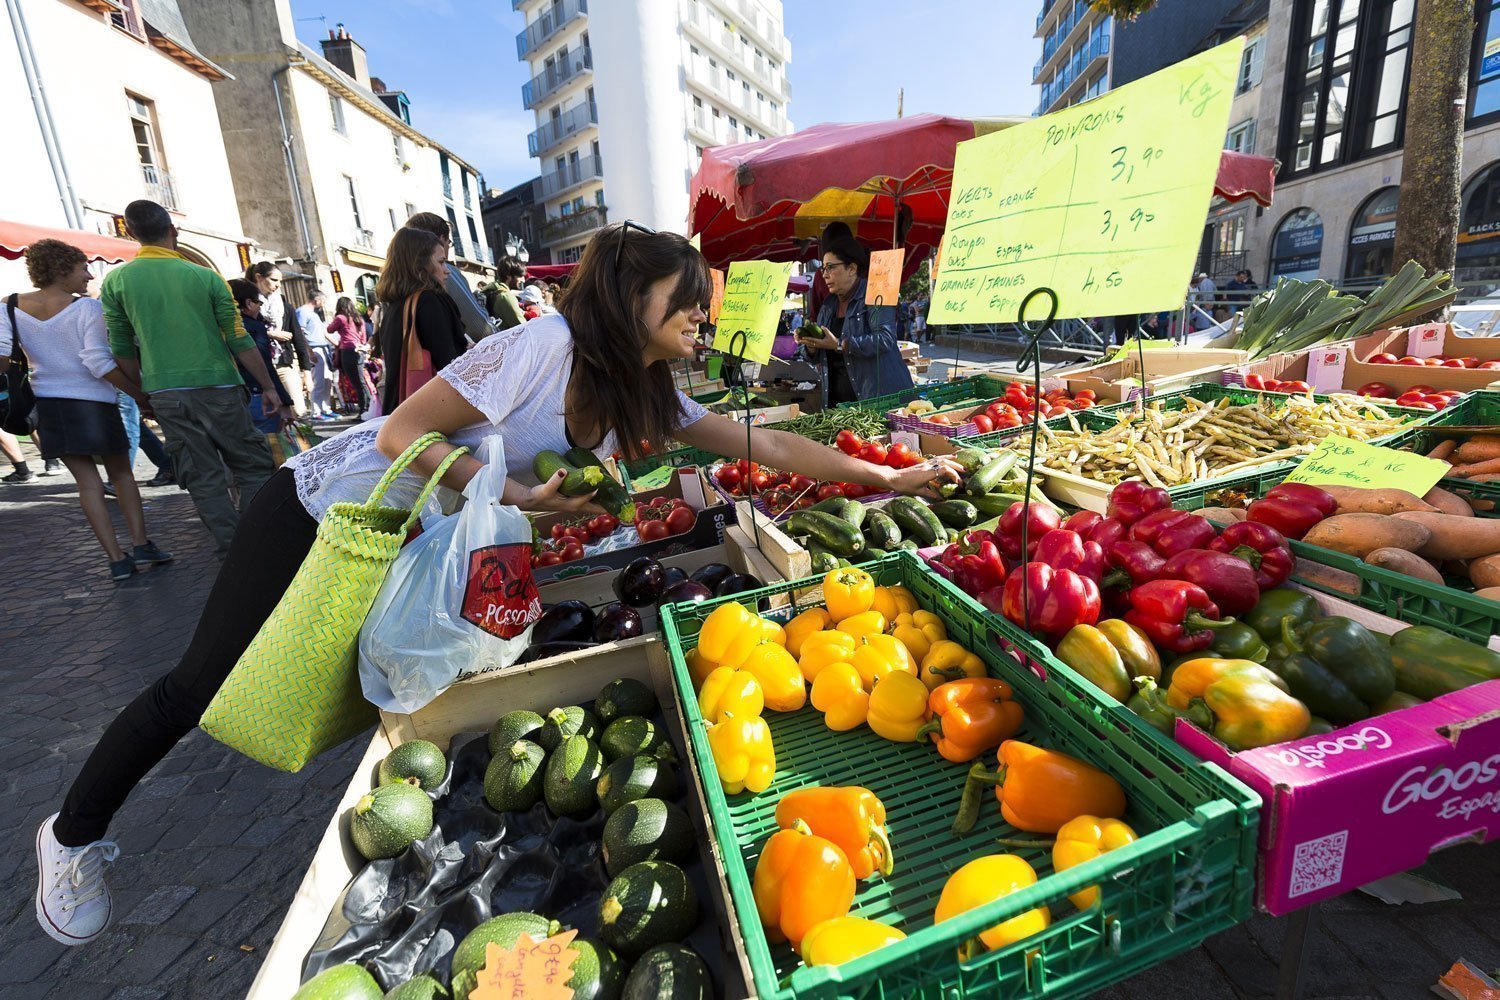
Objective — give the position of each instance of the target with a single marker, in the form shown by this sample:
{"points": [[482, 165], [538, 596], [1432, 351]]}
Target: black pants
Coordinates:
{"points": [[353, 365], [274, 535]]}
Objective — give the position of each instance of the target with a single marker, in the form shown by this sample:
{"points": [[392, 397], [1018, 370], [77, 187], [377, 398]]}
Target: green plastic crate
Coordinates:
{"points": [[681, 458], [940, 394], [1395, 595], [1190, 875], [1480, 407]]}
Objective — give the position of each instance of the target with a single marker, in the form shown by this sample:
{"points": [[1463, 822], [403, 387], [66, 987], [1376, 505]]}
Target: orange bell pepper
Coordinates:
{"points": [[780, 679], [822, 648], [851, 817], [983, 881], [848, 592], [801, 880], [804, 625], [1039, 790], [970, 716], [729, 633]]}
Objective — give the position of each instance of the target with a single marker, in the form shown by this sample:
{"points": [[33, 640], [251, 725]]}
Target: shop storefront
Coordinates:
{"points": [[1479, 230], [1372, 236], [1297, 249]]}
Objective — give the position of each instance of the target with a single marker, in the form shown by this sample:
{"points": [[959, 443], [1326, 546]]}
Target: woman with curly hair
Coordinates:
{"points": [[61, 330]]}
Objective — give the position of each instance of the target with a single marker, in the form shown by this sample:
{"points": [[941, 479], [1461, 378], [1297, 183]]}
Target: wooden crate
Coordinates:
{"points": [[472, 706]]}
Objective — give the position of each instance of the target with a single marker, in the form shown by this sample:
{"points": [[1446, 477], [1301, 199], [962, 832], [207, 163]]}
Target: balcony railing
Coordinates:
{"points": [[711, 27], [553, 20], [567, 124], [362, 239], [551, 184], [573, 65], [714, 129], [715, 80], [565, 227], [159, 186], [1070, 72]]}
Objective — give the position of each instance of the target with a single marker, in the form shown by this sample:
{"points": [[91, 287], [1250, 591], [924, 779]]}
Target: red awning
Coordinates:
{"points": [[15, 237], [769, 200], [548, 272]]}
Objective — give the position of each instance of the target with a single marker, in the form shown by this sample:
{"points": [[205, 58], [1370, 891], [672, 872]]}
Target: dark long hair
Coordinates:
{"points": [[604, 308], [260, 269], [405, 268], [346, 309]]}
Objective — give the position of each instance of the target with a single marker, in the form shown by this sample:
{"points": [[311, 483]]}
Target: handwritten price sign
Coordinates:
{"points": [[1103, 202], [1341, 461], [883, 286], [532, 970], [753, 294]]}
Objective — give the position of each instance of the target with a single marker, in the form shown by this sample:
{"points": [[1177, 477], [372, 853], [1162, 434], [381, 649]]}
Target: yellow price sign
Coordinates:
{"points": [[1341, 461], [753, 294], [1103, 202]]}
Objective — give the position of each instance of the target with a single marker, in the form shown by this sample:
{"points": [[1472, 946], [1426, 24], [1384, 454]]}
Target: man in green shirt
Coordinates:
{"points": [[174, 328], [501, 299]]}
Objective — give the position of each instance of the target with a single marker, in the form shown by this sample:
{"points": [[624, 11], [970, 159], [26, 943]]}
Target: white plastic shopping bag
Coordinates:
{"points": [[459, 600]]}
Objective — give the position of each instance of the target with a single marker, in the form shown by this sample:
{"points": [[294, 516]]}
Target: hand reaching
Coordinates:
{"points": [[548, 496], [922, 479]]}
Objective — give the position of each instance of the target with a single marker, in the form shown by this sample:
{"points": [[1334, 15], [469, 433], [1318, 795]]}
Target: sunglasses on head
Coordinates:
{"points": [[620, 249]]}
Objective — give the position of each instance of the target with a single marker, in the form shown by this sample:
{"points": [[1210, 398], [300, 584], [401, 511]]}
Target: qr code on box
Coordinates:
{"points": [[1318, 864]]}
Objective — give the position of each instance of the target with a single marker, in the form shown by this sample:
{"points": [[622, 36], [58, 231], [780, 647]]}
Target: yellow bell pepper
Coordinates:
{"points": [[823, 648], [729, 633], [731, 691], [983, 881], [848, 592], [906, 602], [772, 632], [699, 667], [861, 625], [948, 661], [1250, 704], [743, 753], [781, 680], [840, 695], [807, 623], [885, 603], [842, 939], [1084, 838], [878, 655], [918, 631], [898, 707], [1110, 655]]}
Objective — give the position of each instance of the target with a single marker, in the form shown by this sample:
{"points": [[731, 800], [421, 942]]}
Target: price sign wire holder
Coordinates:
{"points": [[738, 341], [1031, 352]]}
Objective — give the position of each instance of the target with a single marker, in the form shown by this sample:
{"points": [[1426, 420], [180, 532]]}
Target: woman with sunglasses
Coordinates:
{"points": [[862, 358], [596, 375]]}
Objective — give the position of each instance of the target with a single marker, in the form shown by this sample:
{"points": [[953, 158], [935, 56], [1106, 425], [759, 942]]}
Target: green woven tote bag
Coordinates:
{"points": [[294, 692]]}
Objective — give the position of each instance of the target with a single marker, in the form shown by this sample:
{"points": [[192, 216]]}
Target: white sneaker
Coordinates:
{"points": [[72, 899]]}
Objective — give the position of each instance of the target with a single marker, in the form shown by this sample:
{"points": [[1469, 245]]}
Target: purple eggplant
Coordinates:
{"points": [[566, 621], [641, 582], [617, 621], [736, 583], [687, 592], [712, 575], [674, 575]]}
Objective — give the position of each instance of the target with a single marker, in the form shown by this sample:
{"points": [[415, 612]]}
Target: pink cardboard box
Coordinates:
{"points": [[1371, 799]]}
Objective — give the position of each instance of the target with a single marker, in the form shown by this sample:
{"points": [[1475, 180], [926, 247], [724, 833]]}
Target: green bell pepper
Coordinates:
{"points": [[1150, 703], [1274, 605], [1337, 667], [1429, 662], [1237, 641]]}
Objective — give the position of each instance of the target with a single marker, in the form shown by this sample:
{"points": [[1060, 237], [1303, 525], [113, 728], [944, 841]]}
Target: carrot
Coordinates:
{"points": [[1443, 450], [1326, 576], [1361, 534], [1484, 468], [1404, 562], [1483, 477], [1485, 572], [1359, 500], [1453, 537], [1448, 503], [1489, 593], [1479, 448]]}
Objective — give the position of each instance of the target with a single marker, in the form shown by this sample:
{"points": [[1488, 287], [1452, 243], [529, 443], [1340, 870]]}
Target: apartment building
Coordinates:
{"points": [[627, 94], [326, 160], [113, 100]]}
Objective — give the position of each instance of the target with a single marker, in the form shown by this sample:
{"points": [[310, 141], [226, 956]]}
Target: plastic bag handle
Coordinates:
{"points": [[432, 484], [408, 456]]}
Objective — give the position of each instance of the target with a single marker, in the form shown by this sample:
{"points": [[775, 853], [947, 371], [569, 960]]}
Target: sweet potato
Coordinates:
{"points": [[1448, 503], [1454, 537], [1223, 516], [1361, 534], [1407, 563], [1443, 450], [1479, 448], [1485, 572], [1326, 576], [1359, 500], [1487, 467], [1489, 593]]}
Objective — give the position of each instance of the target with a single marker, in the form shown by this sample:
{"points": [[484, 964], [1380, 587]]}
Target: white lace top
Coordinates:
{"points": [[517, 379]]}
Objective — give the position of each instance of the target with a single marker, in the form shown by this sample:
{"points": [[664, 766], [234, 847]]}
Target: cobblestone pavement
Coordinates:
{"points": [[213, 846]]}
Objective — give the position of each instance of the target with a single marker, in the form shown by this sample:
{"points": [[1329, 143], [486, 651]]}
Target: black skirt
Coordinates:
{"points": [[80, 427]]}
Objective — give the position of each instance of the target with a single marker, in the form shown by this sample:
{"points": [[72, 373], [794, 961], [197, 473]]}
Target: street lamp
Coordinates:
{"points": [[516, 247]]}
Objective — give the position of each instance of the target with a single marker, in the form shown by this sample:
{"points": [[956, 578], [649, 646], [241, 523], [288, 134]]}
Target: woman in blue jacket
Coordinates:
{"points": [[861, 355]]}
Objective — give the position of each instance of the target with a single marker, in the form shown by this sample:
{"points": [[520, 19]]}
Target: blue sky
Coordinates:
{"points": [[456, 59]]}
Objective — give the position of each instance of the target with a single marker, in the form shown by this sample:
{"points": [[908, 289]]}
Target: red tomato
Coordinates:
{"points": [[1408, 398], [898, 455], [558, 530], [1456, 363], [829, 490], [982, 423], [1253, 381], [805, 501], [746, 467], [1378, 390], [1063, 406], [729, 476], [1488, 365], [848, 442], [1436, 400], [939, 418], [759, 481], [1295, 386], [651, 531], [1451, 394], [1085, 394], [1025, 388], [1469, 362], [1409, 360], [548, 558], [1421, 405], [1422, 389], [1383, 359], [873, 452], [801, 484], [604, 524], [571, 551], [680, 521], [1272, 385], [1082, 404], [577, 531], [852, 490]]}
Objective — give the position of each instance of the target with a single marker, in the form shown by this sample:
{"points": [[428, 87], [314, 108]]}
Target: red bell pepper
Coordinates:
{"points": [[1176, 615], [1229, 582], [1063, 549], [1293, 508], [1037, 518], [1172, 531], [1056, 599], [980, 569], [1260, 545], [1094, 527], [1133, 563], [1132, 500]]}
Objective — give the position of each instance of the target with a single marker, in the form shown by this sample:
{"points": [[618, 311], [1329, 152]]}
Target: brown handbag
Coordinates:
{"points": [[416, 362]]}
